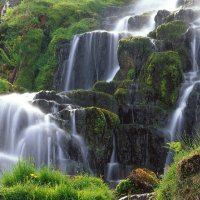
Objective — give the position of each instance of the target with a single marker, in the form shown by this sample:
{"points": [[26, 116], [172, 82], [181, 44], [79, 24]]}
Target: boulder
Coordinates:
{"points": [[161, 77], [189, 166], [161, 16], [133, 52]]}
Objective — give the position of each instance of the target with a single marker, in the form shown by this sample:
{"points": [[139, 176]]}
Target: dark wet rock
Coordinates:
{"points": [[161, 16], [53, 96], [141, 146], [86, 98], [133, 52], [192, 111], [187, 3], [186, 15], [138, 21], [63, 54]]}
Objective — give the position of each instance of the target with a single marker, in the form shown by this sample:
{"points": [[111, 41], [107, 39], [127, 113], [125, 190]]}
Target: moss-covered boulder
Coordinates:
{"points": [[139, 181], [132, 54], [189, 166], [172, 31], [162, 76], [106, 87], [182, 178], [123, 93], [100, 125], [86, 98]]}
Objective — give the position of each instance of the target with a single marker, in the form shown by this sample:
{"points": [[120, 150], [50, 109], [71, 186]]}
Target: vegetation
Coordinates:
{"points": [[25, 182], [133, 52], [182, 180], [139, 181], [171, 31], [106, 87], [31, 31], [101, 120], [162, 76]]}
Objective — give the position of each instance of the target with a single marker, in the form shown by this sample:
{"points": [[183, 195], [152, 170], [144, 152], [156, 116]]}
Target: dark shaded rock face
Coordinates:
{"points": [[192, 111], [138, 143], [63, 55], [161, 16], [141, 146], [133, 52], [138, 21]]}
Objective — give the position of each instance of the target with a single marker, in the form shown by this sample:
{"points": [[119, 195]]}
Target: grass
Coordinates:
{"points": [[49, 21], [27, 183], [172, 185]]}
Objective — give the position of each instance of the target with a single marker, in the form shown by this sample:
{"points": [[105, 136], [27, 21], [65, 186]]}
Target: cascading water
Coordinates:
{"points": [[93, 55], [80, 141], [113, 167], [176, 124], [97, 49], [27, 133]]}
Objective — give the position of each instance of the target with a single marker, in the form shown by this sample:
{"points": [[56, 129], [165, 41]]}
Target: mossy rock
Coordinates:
{"points": [[171, 31], [98, 120], [106, 87], [182, 177], [123, 92], [189, 166], [162, 76], [87, 98], [132, 54], [139, 181]]}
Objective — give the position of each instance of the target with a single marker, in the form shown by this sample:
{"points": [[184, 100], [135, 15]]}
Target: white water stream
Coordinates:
{"points": [[176, 124]]}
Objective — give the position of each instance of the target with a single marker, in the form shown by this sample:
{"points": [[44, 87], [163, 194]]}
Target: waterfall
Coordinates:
{"points": [[26, 132], [79, 141], [113, 167], [175, 127], [93, 57]]}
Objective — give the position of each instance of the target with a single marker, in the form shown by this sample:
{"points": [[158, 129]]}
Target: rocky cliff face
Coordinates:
{"points": [[142, 94]]}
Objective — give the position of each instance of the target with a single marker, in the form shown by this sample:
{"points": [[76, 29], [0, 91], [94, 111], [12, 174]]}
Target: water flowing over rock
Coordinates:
{"points": [[32, 134], [177, 124], [35, 135], [92, 57]]}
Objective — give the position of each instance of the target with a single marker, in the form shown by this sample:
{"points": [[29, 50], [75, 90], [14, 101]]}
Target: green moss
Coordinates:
{"points": [[131, 74], [152, 34], [125, 84], [182, 178], [41, 25], [132, 54], [106, 87], [87, 98], [99, 120], [124, 188], [162, 76], [171, 31], [121, 95]]}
